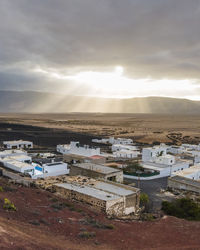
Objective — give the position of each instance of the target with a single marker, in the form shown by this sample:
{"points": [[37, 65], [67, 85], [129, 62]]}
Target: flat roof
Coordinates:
{"points": [[16, 142], [97, 168], [185, 180], [188, 171], [100, 189], [99, 194], [113, 188], [19, 157], [12, 151], [16, 163]]}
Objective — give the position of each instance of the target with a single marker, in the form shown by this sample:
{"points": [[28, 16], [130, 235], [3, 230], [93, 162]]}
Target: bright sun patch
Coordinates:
{"points": [[116, 85]]}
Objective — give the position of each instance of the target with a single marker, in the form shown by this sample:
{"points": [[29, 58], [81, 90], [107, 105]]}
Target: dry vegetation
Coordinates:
{"points": [[144, 128]]}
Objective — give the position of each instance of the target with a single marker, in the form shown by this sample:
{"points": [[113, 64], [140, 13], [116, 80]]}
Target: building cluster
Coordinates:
{"points": [[19, 161], [86, 179], [96, 177], [158, 159]]}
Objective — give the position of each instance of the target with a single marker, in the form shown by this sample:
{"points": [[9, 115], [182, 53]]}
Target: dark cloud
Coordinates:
{"points": [[157, 38]]}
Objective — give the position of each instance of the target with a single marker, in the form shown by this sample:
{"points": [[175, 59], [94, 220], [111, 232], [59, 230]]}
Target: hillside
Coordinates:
{"points": [[30, 101]]}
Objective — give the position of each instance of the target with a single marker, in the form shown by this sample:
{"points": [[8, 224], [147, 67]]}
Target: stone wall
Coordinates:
{"points": [[74, 170], [74, 195]]}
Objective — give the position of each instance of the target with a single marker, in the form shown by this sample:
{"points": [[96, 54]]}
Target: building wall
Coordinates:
{"points": [[73, 195], [18, 145], [74, 170], [118, 207], [182, 184]]}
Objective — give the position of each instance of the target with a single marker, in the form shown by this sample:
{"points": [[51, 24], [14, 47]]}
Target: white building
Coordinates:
{"points": [[165, 170], [50, 169], [112, 140], [176, 150], [17, 144], [191, 147], [118, 147], [150, 154], [35, 171], [14, 152], [21, 158], [127, 154], [76, 149], [191, 173], [123, 141], [165, 159], [157, 160], [18, 166]]}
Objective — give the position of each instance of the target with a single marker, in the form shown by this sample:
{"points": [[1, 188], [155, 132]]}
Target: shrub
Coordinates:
{"points": [[109, 226], [182, 208], [8, 205], [1, 189], [144, 199], [147, 217], [86, 234]]}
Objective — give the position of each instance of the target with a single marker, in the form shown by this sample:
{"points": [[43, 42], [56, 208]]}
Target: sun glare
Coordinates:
{"points": [[116, 84]]}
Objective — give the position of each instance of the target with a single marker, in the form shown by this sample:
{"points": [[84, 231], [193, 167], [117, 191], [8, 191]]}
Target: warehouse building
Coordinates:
{"points": [[112, 198], [97, 171]]}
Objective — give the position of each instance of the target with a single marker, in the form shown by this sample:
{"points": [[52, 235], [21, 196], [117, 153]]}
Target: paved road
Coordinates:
{"points": [[153, 188]]}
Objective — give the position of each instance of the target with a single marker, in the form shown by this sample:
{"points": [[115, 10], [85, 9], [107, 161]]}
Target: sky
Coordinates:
{"points": [[107, 48]]}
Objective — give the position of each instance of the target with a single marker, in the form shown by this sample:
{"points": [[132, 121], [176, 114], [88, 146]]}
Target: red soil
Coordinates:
{"points": [[59, 229]]}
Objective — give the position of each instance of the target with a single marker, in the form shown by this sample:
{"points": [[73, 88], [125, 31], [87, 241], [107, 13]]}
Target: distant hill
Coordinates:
{"points": [[30, 101]]}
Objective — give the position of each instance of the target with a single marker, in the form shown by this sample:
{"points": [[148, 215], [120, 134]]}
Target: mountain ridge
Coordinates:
{"points": [[43, 102]]}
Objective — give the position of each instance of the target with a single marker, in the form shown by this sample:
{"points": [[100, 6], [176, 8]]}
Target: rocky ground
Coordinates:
{"points": [[44, 221]]}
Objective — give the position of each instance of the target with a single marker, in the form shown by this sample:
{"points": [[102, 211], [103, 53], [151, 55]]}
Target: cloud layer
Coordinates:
{"points": [[149, 38]]}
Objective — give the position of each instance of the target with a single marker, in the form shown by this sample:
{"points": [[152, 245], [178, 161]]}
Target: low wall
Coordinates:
{"points": [[143, 178], [17, 178], [182, 183], [74, 195]]}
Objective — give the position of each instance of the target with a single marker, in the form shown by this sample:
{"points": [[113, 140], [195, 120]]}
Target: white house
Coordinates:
{"points": [[13, 152], [34, 170], [123, 141], [50, 169], [191, 173], [165, 170], [118, 147], [76, 149], [112, 140], [150, 154], [18, 166], [157, 160], [17, 144], [21, 158], [127, 154]]}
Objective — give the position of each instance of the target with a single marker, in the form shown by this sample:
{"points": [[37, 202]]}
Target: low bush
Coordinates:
{"points": [[86, 234], [109, 226], [8, 205], [147, 217], [182, 208]]}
